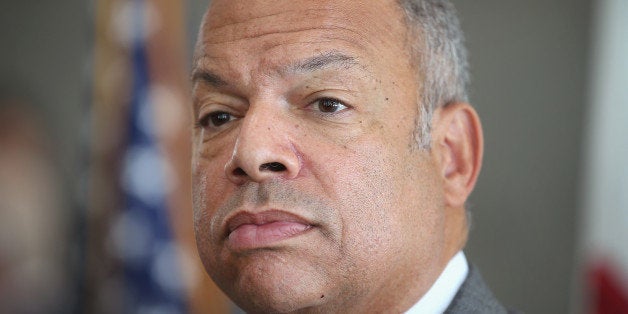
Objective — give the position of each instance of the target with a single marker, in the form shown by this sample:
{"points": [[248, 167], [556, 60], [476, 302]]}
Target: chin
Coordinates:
{"points": [[278, 304], [271, 284], [277, 297]]}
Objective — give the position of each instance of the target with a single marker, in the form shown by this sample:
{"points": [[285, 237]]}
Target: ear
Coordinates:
{"points": [[458, 145]]}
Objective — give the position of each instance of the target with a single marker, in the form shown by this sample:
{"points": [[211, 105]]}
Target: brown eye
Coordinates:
{"points": [[330, 105], [215, 119]]}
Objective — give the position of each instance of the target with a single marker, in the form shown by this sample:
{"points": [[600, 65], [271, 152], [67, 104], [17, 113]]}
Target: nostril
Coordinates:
{"points": [[272, 166], [239, 172]]}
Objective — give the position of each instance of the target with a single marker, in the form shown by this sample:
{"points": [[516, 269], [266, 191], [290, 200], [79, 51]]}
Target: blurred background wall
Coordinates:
{"points": [[44, 93], [530, 83], [529, 62]]}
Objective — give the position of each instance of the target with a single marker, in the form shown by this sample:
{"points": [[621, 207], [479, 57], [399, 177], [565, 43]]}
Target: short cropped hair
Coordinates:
{"points": [[441, 57]]}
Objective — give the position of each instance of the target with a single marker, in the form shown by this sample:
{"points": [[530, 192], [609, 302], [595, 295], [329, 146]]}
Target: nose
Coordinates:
{"points": [[263, 149]]}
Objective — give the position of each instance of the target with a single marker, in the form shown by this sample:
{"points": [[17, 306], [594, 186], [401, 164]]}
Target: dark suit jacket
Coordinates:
{"points": [[474, 296]]}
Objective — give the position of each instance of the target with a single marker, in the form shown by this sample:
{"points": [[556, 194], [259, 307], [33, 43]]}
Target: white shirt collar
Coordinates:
{"points": [[444, 289]]}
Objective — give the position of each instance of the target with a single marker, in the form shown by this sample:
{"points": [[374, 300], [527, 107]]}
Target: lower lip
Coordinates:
{"points": [[252, 236]]}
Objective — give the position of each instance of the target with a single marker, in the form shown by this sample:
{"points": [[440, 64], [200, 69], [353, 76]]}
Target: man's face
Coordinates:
{"points": [[309, 189]]}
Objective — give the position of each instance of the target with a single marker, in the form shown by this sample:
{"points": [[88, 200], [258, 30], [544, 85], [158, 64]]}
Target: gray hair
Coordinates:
{"points": [[438, 45]]}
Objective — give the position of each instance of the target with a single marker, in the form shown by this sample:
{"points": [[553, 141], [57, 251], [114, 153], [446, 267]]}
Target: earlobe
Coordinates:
{"points": [[458, 143]]}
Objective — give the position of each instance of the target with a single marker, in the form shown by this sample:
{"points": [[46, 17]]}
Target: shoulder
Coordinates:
{"points": [[474, 296]]}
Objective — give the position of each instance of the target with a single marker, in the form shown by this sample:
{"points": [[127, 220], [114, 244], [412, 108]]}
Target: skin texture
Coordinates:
{"points": [[377, 218]]}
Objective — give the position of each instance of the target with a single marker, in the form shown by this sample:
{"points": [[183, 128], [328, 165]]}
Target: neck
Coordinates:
{"points": [[456, 231]]}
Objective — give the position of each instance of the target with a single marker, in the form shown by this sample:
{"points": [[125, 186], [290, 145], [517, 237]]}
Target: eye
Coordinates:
{"points": [[329, 105], [215, 119]]}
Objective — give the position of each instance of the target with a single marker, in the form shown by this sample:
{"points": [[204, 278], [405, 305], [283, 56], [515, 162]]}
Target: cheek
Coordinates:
{"points": [[207, 195], [210, 187], [385, 195], [359, 178], [208, 171], [201, 174], [205, 178]]}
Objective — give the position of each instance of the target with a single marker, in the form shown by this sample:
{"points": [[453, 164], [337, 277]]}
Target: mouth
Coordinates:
{"points": [[247, 231]]}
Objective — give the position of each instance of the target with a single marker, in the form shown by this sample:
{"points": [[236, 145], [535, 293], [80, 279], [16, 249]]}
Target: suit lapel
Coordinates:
{"points": [[474, 296]]}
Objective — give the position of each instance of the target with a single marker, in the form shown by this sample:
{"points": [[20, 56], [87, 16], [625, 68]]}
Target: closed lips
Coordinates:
{"points": [[246, 230]]}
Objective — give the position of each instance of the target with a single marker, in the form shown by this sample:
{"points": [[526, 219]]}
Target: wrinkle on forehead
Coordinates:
{"points": [[231, 20], [232, 36], [293, 22], [255, 26], [275, 33], [231, 12]]}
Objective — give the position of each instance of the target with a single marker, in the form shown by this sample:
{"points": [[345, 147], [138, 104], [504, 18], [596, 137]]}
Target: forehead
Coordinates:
{"points": [[235, 32]]}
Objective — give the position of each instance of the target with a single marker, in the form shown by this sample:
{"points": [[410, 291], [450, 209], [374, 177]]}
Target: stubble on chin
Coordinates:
{"points": [[284, 277]]}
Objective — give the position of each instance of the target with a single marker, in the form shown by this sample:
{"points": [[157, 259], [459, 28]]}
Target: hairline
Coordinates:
{"points": [[434, 93]]}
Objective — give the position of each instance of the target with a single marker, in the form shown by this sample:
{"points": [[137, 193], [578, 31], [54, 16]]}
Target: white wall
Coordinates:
{"points": [[605, 184]]}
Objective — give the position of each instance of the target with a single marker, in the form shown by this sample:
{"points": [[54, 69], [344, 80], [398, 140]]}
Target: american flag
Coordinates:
{"points": [[141, 235]]}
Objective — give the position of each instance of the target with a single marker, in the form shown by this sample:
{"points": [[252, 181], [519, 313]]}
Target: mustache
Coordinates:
{"points": [[273, 194], [270, 192]]}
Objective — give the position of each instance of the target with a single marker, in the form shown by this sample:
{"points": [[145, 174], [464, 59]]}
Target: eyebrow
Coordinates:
{"points": [[208, 77], [311, 64], [322, 61]]}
